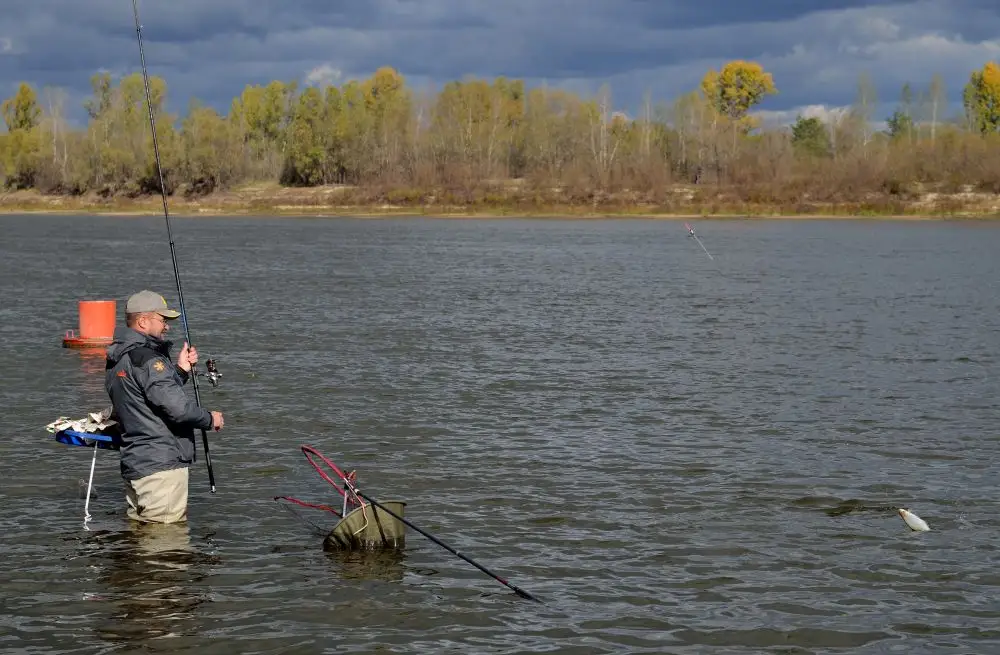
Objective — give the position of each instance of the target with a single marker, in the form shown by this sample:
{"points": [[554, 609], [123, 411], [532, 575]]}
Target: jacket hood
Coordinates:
{"points": [[126, 339]]}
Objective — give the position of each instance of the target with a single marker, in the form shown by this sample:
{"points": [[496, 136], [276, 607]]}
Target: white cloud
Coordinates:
{"points": [[778, 118], [880, 29], [322, 75]]}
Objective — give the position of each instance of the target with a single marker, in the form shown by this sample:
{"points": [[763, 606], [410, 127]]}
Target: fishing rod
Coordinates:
{"points": [[173, 252]]}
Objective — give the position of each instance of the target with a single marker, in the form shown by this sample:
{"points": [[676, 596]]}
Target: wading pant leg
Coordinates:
{"points": [[158, 498]]}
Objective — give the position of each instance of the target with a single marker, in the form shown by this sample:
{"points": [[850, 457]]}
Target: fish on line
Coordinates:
{"points": [[913, 521]]}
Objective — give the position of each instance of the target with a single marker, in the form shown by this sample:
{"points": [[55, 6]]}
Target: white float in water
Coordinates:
{"points": [[912, 520]]}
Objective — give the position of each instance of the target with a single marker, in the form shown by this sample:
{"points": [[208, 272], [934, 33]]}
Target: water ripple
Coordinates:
{"points": [[677, 455]]}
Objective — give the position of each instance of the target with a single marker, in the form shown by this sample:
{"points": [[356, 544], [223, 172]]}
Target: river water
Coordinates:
{"points": [[675, 454]]}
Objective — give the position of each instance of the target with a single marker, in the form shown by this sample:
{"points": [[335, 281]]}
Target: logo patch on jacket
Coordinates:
{"points": [[158, 365]]}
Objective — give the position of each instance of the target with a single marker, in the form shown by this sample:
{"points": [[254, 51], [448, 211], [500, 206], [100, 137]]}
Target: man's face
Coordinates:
{"points": [[153, 325]]}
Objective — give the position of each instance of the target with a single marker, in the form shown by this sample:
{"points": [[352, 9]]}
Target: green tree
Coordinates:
{"points": [[210, 151], [22, 145], [387, 103], [22, 112], [119, 143], [900, 125], [260, 116], [981, 99], [308, 148], [810, 137]]}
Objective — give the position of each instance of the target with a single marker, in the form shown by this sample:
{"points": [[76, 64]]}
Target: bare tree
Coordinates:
{"points": [[936, 100], [864, 108]]}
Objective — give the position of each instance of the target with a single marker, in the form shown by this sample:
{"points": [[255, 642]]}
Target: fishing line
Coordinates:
{"points": [[173, 253], [316, 529], [692, 234], [719, 271]]}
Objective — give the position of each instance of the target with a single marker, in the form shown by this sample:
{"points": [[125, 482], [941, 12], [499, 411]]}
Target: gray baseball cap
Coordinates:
{"points": [[149, 301]]}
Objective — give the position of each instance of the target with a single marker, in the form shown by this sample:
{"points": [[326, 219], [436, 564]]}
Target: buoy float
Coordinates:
{"points": [[97, 325]]}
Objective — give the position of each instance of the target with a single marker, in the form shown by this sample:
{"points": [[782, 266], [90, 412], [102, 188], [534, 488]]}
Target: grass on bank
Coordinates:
{"points": [[270, 199]]}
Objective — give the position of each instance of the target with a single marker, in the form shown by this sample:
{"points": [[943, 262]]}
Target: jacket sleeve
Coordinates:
{"points": [[165, 394]]}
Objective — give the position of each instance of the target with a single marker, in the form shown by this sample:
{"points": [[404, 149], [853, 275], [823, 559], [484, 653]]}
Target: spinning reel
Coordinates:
{"points": [[211, 372]]}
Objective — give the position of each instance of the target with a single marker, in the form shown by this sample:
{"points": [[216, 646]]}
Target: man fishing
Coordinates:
{"points": [[156, 415]]}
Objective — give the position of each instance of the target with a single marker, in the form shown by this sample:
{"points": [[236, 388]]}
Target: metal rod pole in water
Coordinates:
{"points": [[90, 484]]}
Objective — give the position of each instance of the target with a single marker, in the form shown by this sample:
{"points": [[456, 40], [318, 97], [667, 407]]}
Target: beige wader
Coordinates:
{"points": [[158, 498]]}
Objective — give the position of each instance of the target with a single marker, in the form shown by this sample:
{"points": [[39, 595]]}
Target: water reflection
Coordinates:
{"points": [[91, 360], [382, 565], [91, 379], [152, 575], [385, 565]]}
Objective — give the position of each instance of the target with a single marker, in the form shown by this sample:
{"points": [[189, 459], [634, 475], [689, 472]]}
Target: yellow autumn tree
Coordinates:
{"points": [[981, 98], [735, 89], [387, 102]]}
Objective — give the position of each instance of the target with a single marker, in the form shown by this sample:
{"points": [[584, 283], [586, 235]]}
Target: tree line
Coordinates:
{"points": [[476, 134]]}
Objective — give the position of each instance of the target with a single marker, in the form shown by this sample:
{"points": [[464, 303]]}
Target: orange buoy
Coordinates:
{"points": [[97, 325]]}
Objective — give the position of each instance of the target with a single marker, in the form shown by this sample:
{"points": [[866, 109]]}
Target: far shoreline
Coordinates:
{"points": [[272, 201], [362, 213]]}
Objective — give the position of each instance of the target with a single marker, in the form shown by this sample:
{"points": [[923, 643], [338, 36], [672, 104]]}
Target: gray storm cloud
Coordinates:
{"points": [[211, 50]]}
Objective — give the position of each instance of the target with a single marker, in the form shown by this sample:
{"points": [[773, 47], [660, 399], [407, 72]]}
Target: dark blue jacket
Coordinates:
{"points": [[154, 411]]}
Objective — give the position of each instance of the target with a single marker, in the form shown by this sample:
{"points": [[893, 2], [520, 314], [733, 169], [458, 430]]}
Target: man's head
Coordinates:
{"points": [[146, 312]]}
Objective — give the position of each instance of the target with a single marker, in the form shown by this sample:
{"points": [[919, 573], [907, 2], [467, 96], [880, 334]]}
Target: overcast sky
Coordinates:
{"points": [[211, 49]]}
